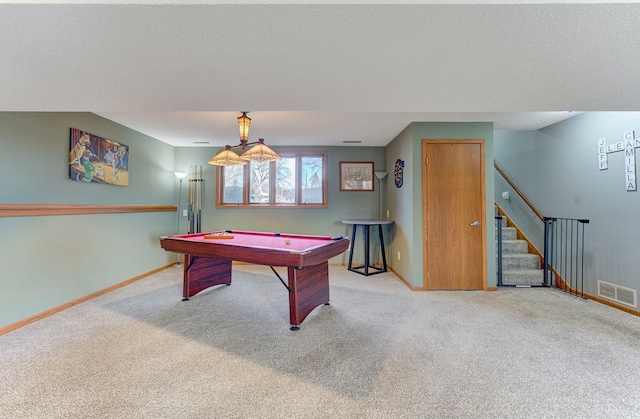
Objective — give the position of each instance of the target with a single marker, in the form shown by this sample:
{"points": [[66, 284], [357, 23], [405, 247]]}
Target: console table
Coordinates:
{"points": [[366, 225]]}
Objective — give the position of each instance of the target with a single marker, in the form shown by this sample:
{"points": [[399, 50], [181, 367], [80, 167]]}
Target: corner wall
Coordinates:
{"points": [[406, 202]]}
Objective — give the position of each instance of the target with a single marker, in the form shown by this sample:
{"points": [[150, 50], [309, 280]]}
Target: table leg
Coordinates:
{"points": [[201, 273], [384, 257], [353, 241], [366, 249], [309, 289], [367, 268]]}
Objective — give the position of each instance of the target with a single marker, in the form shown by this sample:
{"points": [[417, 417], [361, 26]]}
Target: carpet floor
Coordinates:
{"points": [[379, 350]]}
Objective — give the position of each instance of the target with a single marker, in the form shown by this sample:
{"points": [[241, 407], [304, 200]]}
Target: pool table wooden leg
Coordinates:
{"points": [[309, 289], [201, 273]]}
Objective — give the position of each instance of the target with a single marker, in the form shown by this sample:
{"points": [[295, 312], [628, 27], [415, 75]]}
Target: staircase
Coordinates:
{"points": [[519, 266]]}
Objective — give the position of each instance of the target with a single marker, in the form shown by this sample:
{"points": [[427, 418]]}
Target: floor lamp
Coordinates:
{"points": [[181, 176], [380, 176]]}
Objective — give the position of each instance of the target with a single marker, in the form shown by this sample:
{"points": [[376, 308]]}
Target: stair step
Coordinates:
{"points": [[508, 233], [514, 246], [519, 267], [520, 261], [523, 277]]}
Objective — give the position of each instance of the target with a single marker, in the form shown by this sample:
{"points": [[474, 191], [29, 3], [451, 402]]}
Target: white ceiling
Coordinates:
{"points": [[318, 73]]}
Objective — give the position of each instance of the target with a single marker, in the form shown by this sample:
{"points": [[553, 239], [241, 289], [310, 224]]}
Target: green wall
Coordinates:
{"points": [[400, 206], [49, 261], [324, 221], [405, 203]]}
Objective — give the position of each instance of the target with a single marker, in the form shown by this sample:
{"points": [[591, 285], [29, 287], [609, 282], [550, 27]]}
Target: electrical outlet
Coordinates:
{"points": [[387, 213], [184, 213], [398, 255]]}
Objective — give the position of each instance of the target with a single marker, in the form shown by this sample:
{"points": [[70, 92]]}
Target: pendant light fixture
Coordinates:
{"points": [[259, 153]]}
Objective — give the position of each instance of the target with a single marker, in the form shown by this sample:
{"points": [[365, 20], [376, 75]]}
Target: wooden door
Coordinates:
{"points": [[454, 214]]}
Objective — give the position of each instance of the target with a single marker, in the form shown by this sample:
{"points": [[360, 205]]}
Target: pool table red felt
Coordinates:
{"points": [[208, 262]]}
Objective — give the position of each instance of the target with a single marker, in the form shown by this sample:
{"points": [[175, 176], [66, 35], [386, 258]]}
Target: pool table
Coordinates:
{"points": [[208, 261]]}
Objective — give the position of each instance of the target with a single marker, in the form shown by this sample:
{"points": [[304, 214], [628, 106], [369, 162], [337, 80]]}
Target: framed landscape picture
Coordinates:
{"points": [[356, 176], [95, 159]]}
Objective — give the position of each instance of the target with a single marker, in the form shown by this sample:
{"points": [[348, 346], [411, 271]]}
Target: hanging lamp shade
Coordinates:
{"points": [[260, 153], [243, 126], [227, 158]]}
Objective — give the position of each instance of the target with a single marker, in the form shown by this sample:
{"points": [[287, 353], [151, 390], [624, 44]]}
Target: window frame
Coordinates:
{"points": [[299, 155]]}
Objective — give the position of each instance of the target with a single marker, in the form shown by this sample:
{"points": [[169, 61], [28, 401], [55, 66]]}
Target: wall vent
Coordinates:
{"points": [[618, 293]]}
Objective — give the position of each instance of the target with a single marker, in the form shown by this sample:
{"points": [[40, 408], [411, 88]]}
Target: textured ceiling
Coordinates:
{"points": [[318, 74]]}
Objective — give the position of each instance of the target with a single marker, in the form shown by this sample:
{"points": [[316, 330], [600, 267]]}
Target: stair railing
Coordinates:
{"points": [[521, 212], [526, 201], [564, 254], [531, 221]]}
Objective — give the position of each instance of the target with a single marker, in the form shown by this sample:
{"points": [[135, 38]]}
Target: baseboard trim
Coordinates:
{"points": [[564, 287], [21, 323], [411, 287], [414, 288], [612, 304]]}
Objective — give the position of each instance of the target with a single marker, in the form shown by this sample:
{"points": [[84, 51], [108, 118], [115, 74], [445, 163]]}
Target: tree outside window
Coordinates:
{"points": [[297, 180]]}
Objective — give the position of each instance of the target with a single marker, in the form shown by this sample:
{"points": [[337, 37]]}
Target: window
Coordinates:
{"points": [[297, 180]]}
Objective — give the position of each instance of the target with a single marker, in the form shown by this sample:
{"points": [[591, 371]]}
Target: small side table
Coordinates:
{"points": [[366, 224]]}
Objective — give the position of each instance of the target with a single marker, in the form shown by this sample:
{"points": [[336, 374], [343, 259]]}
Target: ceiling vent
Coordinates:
{"points": [[617, 293]]}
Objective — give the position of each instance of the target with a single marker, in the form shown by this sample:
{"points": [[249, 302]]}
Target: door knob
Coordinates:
{"points": [[475, 223]]}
